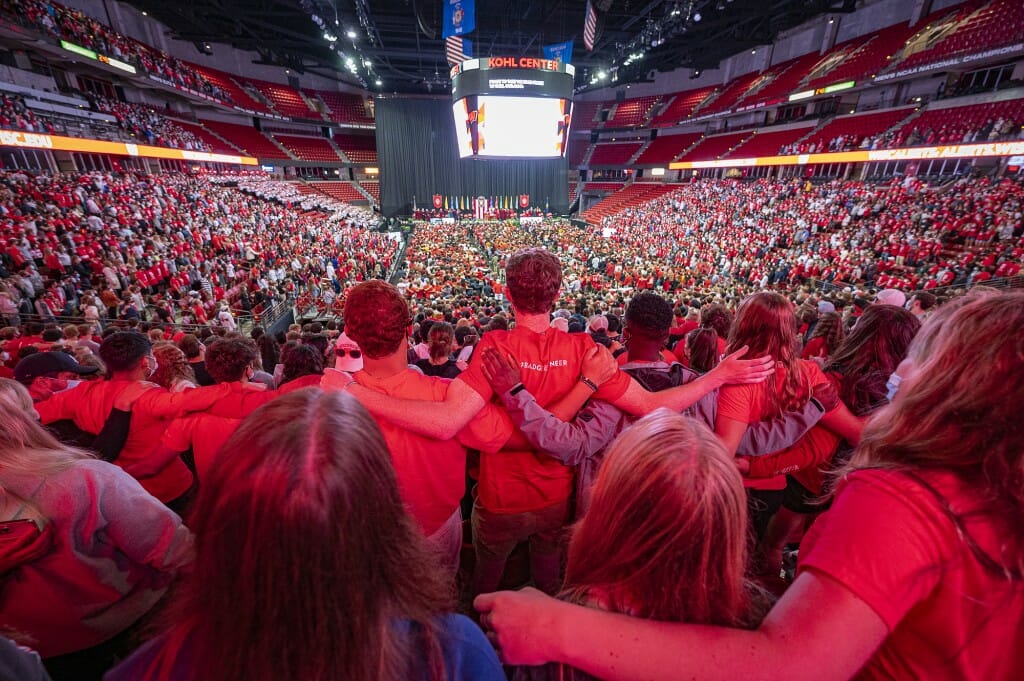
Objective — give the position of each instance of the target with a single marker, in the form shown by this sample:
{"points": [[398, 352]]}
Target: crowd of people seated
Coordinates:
{"points": [[667, 414], [146, 123], [15, 114], [76, 27]]}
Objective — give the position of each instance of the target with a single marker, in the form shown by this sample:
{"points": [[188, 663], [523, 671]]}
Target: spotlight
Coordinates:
{"points": [[602, 75], [367, 63], [351, 34], [831, 20], [696, 17], [379, 82], [753, 52]]}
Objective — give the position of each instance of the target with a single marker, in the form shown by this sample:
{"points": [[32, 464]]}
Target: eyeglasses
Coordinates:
{"points": [[342, 352]]}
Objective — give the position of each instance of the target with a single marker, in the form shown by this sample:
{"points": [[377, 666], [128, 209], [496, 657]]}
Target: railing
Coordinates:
{"points": [[1002, 282], [244, 322]]}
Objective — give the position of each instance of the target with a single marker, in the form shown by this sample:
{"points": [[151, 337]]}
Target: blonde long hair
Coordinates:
{"points": [[665, 536], [960, 412], [25, 446]]}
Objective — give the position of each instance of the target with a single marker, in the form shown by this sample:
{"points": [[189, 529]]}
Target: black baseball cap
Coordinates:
{"points": [[42, 363]]}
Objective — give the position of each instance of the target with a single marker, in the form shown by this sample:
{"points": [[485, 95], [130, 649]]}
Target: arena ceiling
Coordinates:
{"points": [[398, 42]]}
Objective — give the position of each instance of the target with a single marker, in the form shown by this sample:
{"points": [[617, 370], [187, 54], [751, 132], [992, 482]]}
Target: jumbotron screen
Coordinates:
{"points": [[509, 107]]}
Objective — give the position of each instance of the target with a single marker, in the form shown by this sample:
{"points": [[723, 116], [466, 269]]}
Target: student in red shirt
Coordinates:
{"points": [[524, 494], [915, 572]]}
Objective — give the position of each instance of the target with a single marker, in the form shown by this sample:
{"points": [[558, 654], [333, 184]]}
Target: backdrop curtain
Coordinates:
{"points": [[417, 152]]}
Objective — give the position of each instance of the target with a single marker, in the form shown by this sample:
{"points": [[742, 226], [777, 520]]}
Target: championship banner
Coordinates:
{"points": [[561, 52], [437, 201], [459, 17], [524, 200]]}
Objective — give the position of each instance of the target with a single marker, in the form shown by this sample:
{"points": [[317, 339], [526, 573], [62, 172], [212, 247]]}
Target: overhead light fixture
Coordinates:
{"points": [[831, 20], [379, 82], [753, 52], [696, 17], [602, 75], [367, 63], [145, 13], [351, 34]]}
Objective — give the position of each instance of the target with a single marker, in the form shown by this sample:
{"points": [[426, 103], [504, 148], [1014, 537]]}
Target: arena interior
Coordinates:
{"points": [[531, 340]]}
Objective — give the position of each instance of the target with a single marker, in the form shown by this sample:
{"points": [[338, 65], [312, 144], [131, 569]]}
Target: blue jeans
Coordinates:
{"points": [[496, 535]]}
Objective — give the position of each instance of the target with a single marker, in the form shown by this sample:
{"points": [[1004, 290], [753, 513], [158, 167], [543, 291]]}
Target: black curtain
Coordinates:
{"points": [[418, 156]]}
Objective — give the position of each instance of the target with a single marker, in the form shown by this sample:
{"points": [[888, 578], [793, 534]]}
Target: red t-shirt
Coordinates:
{"points": [[890, 542], [749, 403], [551, 363], [432, 473], [204, 433]]}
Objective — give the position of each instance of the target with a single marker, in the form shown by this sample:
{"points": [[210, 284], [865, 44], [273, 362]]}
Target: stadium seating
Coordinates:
{"points": [[766, 142], [573, 188], [969, 29], [711, 148], [216, 144], [309, 148], [225, 82], [584, 115], [343, 107], [343, 191], [371, 187], [631, 113], [614, 153], [680, 106], [251, 140], [860, 58], [665, 148], [949, 125], [785, 79], [727, 98], [286, 100], [358, 148], [854, 128], [578, 147], [590, 187], [627, 197]]}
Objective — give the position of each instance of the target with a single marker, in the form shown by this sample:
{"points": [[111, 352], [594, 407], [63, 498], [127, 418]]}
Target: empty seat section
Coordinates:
{"points": [[680, 107], [343, 191], [631, 113], [998, 23], [309, 148], [627, 197], [614, 154], [863, 57], [371, 187], [767, 142], [786, 79], [573, 187], [665, 148], [710, 148], [584, 115], [853, 129], [251, 140], [358, 148], [343, 107], [578, 145], [728, 97], [602, 186], [286, 100]]}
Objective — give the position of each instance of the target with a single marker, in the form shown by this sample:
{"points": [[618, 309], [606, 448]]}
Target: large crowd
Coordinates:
{"points": [[749, 429]]}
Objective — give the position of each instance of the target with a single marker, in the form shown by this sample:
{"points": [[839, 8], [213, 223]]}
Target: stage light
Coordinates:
{"points": [[602, 75], [351, 34]]}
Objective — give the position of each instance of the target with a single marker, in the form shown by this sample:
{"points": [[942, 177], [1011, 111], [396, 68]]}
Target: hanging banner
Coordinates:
{"points": [[437, 201], [590, 26], [524, 200], [481, 208], [560, 52], [459, 17]]}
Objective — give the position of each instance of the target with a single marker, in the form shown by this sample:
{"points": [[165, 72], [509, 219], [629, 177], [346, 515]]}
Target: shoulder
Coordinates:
{"points": [[467, 652]]}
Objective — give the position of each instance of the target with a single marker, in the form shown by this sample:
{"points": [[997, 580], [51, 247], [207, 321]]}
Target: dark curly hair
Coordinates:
{"points": [[228, 358], [376, 318], [716, 317], [122, 350], [533, 277], [301, 360], [650, 315]]}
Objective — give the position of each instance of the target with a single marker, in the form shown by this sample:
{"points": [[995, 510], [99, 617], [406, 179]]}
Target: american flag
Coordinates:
{"points": [[453, 50], [589, 26]]}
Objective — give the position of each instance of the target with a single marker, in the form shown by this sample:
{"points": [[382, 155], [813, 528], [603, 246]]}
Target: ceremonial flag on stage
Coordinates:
{"points": [[561, 52], [458, 49], [446, 203], [524, 200], [590, 26], [481, 208], [458, 17], [437, 200]]}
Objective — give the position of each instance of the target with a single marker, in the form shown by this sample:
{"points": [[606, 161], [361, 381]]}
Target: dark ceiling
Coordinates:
{"points": [[398, 42]]}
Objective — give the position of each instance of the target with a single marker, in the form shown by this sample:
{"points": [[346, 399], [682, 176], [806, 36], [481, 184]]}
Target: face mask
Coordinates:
{"points": [[892, 385]]}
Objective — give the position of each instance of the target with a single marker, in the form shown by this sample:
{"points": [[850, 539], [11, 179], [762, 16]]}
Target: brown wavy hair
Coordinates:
{"points": [[766, 324], [533, 277], [959, 412], [171, 365], [829, 327], [307, 564]]}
